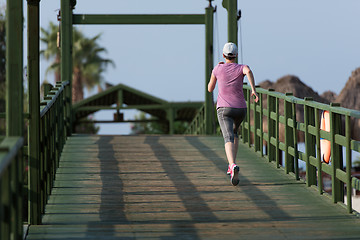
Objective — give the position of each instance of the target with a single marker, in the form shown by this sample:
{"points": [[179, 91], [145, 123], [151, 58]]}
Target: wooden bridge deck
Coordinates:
{"points": [[176, 187]]}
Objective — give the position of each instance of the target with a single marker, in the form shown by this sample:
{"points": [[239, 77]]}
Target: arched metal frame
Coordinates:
{"points": [[68, 19]]}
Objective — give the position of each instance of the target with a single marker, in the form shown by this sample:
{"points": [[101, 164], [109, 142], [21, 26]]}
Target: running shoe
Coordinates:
{"points": [[234, 175], [229, 170]]}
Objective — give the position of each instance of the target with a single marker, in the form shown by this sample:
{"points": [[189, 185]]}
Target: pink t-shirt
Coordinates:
{"points": [[230, 84]]}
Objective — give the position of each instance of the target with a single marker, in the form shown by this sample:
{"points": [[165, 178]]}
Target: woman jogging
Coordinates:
{"points": [[231, 104]]}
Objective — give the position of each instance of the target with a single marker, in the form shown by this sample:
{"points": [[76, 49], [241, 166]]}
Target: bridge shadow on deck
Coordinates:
{"points": [[112, 204], [256, 195], [176, 187], [195, 205]]}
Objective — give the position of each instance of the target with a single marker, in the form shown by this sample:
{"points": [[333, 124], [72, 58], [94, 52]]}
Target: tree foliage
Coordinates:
{"points": [[150, 125], [88, 63]]}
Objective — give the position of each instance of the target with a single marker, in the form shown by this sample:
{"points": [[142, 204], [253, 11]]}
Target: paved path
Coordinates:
{"points": [[176, 187]]}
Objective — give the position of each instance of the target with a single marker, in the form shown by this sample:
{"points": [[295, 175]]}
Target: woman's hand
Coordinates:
{"points": [[255, 96]]}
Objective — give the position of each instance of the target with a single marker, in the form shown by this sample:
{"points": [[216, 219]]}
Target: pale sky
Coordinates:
{"points": [[318, 41]]}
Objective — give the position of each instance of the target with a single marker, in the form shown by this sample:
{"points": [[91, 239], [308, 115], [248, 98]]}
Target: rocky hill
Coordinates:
{"points": [[349, 97], [293, 84], [329, 96]]}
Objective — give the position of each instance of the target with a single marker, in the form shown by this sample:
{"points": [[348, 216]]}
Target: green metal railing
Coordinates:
{"points": [[275, 135], [198, 125], [54, 120], [260, 118], [11, 183]]}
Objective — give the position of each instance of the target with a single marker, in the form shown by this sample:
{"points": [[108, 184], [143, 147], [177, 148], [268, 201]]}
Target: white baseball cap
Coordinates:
{"points": [[230, 49]]}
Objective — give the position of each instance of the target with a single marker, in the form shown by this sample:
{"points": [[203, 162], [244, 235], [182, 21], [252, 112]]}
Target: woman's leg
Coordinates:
{"points": [[235, 148], [230, 152], [226, 125]]}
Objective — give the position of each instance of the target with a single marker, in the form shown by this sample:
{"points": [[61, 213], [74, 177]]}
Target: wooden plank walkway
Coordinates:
{"points": [[176, 187]]}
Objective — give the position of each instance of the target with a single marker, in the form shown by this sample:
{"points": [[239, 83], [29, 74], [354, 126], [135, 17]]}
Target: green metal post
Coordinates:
{"points": [[318, 153], [289, 138], [271, 101], [33, 34], [348, 164], [261, 125], [248, 119], [14, 105], [170, 117], [257, 121], [309, 143], [209, 64], [231, 7], [14, 68], [244, 124], [294, 165], [278, 151], [47, 88], [5, 202], [336, 155], [66, 56]]}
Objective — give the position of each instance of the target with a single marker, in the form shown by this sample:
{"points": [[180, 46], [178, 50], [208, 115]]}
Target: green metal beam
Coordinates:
{"points": [[14, 68], [138, 19], [231, 7], [34, 216], [174, 105], [66, 56], [209, 65]]}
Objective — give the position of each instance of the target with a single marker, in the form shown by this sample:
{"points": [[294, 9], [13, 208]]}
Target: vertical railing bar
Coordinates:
{"points": [[289, 132], [336, 154], [318, 153], [348, 164], [277, 153], [255, 124], [248, 119], [307, 139], [261, 125], [295, 162], [333, 168], [5, 202], [12, 198]]}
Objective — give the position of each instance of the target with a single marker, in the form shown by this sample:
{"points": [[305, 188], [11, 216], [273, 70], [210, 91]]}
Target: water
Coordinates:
{"points": [[302, 165]]}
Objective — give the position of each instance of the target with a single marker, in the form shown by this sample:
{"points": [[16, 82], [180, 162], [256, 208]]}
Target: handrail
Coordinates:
{"points": [[11, 185], [54, 120], [262, 126], [197, 125], [54, 127]]}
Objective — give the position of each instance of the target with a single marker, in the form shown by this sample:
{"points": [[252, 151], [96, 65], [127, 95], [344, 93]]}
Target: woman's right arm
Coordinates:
{"points": [[247, 71], [212, 83]]}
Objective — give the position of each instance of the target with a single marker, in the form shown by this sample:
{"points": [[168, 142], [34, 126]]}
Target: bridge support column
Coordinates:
{"points": [[231, 7], [66, 56], [14, 115], [34, 216], [14, 68], [171, 117], [209, 65]]}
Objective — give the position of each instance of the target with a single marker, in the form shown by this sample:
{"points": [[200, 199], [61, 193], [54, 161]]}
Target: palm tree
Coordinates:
{"points": [[52, 52], [88, 65]]}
